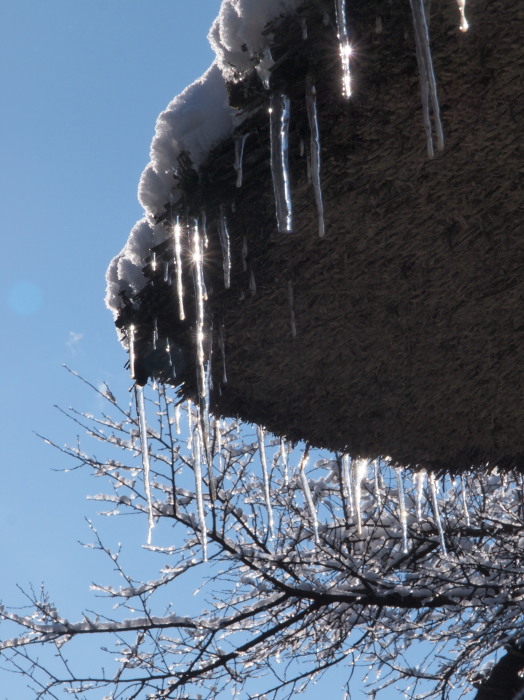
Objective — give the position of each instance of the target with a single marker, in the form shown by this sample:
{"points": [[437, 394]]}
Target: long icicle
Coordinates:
{"points": [[197, 469], [284, 460], [344, 46], [308, 496], [225, 244], [265, 476], [144, 447], [420, 478], [131, 341], [314, 148], [403, 514], [349, 508], [240, 141], [279, 136], [178, 263], [200, 320], [359, 470], [436, 513], [425, 62]]}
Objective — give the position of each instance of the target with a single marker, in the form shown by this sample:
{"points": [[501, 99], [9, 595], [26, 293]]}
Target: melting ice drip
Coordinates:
{"points": [[428, 83], [142, 426], [240, 141], [178, 264], [226, 249], [279, 136], [464, 26], [344, 46], [314, 148]]}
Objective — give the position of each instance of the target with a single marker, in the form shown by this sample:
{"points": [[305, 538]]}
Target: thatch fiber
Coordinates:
{"points": [[409, 311]]}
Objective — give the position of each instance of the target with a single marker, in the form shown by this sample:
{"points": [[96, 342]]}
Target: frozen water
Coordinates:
{"points": [[240, 140], [131, 341], [344, 46], [200, 320], [284, 460], [436, 512], [314, 149], [222, 346], [178, 264], [347, 491], [265, 475], [403, 515], [279, 133], [428, 84], [197, 469], [226, 249], [359, 470], [144, 447], [308, 495], [420, 479], [464, 26]]}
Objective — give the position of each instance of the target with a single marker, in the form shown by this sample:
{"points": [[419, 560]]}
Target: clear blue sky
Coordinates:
{"points": [[82, 82]]}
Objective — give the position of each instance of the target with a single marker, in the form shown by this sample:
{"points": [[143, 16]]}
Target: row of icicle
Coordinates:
{"points": [[279, 120]]}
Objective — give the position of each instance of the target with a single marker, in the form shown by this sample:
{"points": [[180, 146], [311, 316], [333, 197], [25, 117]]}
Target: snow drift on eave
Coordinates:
{"points": [[194, 122]]}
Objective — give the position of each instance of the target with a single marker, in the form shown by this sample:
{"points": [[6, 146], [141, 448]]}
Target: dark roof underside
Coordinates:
{"points": [[409, 316]]}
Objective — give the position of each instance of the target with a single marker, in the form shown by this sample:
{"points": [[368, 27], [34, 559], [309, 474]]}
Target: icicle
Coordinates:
{"points": [[155, 333], [265, 476], [142, 426], [199, 290], [377, 486], [346, 488], [403, 515], [307, 494], [197, 469], [314, 147], [244, 254], [284, 461], [252, 283], [344, 46], [359, 470], [178, 261], [291, 301], [240, 141], [436, 512], [264, 66], [226, 248], [420, 478], [303, 25], [464, 499], [464, 26], [189, 425], [131, 341], [279, 132], [166, 273], [153, 260], [177, 419], [428, 84], [222, 346]]}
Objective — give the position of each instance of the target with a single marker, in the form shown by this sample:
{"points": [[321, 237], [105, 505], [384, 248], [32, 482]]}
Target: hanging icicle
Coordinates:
{"points": [[197, 469], [428, 83], [344, 46], [347, 491], [222, 347], [265, 476], [420, 479], [464, 26], [314, 152], [377, 485], [436, 512], [189, 406], [359, 470], [284, 460], [131, 341], [279, 135], [308, 495], [144, 447], [240, 140], [178, 265], [464, 499], [200, 320], [225, 244], [403, 514]]}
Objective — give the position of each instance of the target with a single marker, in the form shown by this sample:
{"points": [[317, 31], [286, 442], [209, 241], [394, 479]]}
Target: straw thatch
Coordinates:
{"points": [[408, 313]]}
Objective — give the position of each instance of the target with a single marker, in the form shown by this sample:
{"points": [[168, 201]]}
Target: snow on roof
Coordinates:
{"points": [[193, 123]]}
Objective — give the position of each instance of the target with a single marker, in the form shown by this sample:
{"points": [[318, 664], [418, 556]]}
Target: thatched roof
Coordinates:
{"points": [[409, 312]]}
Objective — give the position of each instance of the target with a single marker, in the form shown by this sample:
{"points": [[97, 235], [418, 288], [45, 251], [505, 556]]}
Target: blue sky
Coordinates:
{"points": [[82, 83]]}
